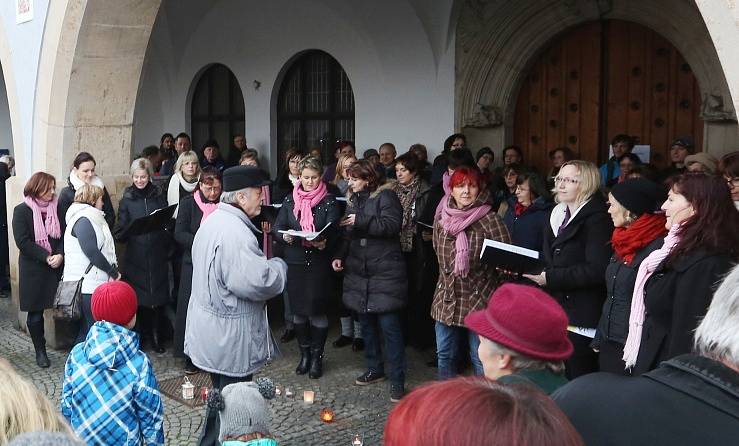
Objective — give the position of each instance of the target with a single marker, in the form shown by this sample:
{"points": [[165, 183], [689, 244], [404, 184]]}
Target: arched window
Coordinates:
{"points": [[217, 108], [315, 106]]}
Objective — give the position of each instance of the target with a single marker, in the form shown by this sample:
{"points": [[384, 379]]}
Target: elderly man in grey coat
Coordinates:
{"points": [[227, 332]]}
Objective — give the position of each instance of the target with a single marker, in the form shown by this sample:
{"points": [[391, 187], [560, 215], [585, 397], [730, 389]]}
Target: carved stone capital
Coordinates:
{"points": [[714, 110], [483, 116]]}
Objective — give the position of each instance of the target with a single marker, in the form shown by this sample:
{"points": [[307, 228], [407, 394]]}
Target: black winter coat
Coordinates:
{"points": [[145, 264], [37, 280], [326, 211], [66, 198], [576, 262], [527, 229], [689, 400], [374, 269], [676, 297], [620, 281]]}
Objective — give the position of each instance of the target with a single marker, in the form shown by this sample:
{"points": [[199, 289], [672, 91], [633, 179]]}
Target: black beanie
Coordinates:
{"points": [[639, 195]]}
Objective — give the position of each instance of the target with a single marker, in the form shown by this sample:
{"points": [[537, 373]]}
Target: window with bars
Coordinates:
{"points": [[217, 109], [315, 106]]}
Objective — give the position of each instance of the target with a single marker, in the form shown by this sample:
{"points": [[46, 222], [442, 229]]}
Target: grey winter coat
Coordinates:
{"points": [[227, 329]]}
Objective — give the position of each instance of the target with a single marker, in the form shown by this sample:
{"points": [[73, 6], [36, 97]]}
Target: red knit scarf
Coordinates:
{"points": [[628, 241], [519, 209]]}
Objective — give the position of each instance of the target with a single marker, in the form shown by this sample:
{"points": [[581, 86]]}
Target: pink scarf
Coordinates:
{"points": [[44, 228], [304, 202], [636, 318], [445, 184], [454, 222], [205, 208]]}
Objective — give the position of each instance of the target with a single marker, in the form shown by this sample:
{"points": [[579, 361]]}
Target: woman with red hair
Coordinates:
{"points": [[464, 219], [473, 412], [675, 284]]}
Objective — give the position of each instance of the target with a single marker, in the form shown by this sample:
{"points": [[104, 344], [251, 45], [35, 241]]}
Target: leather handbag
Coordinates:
{"points": [[68, 299]]}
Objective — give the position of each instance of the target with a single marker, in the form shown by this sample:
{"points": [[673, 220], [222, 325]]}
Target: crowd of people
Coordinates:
{"points": [[630, 257]]}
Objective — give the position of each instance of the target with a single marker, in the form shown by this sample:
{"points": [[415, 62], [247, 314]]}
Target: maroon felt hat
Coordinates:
{"points": [[524, 319]]}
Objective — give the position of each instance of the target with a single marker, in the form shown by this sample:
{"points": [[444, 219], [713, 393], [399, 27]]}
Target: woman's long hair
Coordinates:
{"points": [[23, 408], [713, 227]]}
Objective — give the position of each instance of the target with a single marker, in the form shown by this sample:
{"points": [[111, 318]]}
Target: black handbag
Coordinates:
{"points": [[68, 299]]}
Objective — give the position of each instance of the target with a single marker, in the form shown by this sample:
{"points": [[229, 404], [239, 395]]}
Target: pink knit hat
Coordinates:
{"points": [[524, 319]]}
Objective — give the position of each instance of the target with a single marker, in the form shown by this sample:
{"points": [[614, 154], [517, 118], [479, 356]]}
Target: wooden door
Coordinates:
{"points": [[601, 79]]}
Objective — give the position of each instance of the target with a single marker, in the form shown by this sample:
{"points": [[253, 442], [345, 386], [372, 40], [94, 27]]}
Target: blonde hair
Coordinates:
{"points": [[141, 164], [310, 162], [23, 408], [340, 166], [186, 157], [88, 193], [588, 180]]}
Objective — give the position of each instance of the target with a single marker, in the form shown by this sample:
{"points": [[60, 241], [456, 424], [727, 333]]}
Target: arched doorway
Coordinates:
{"points": [[315, 105], [601, 79], [217, 108]]}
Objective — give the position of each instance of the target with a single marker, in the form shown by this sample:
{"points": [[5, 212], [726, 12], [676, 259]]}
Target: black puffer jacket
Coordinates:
{"points": [[576, 262], [620, 280], [374, 269], [145, 267]]}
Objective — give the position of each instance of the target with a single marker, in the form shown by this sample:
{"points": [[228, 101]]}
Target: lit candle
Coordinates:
{"points": [[308, 396], [288, 392], [357, 440], [327, 415], [278, 390]]}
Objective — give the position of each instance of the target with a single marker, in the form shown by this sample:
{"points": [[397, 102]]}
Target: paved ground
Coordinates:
{"points": [[358, 409]]}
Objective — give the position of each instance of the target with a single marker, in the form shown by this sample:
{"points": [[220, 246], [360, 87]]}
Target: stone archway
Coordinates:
{"points": [[497, 41]]}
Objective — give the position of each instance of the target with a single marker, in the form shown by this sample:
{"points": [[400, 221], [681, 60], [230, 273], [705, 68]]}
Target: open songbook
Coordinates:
{"points": [[511, 257], [310, 236], [156, 221]]}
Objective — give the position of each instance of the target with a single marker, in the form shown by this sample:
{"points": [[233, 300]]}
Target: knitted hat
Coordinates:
{"points": [[241, 177], [684, 141], [243, 407], [709, 162], [639, 195], [114, 302], [526, 320], [44, 439]]}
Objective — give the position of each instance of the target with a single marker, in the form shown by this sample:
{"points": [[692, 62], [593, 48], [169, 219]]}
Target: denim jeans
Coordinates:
{"points": [[391, 326], [448, 339]]}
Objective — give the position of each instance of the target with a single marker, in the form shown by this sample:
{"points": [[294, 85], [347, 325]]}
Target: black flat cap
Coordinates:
{"points": [[241, 177]]}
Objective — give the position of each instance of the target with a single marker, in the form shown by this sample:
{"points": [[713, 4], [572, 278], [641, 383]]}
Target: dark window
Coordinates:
{"points": [[217, 109], [315, 107]]}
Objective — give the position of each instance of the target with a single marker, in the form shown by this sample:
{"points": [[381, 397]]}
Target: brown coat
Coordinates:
{"points": [[455, 297]]}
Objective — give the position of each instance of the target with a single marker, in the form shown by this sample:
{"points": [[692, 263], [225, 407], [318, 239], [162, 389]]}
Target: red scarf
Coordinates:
{"points": [[628, 241], [519, 209]]}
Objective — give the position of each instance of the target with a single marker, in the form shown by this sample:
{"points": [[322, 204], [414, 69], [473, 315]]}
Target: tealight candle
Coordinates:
{"points": [[327, 415], [357, 440], [308, 396], [278, 390], [288, 392]]}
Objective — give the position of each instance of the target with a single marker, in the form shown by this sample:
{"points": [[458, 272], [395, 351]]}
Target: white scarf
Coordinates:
{"points": [[173, 190], [77, 183], [558, 216]]}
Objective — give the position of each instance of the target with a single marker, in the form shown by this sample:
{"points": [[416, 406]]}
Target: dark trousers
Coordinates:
{"points": [[209, 434], [609, 358], [390, 327], [583, 360], [35, 317], [87, 320]]}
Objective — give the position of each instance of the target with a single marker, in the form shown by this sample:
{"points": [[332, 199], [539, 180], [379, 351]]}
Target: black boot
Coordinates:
{"points": [[303, 334], [36, 331], [318, 340], [154, 326]]}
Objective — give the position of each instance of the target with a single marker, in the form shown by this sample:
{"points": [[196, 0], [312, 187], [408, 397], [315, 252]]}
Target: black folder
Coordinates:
{"points": [[511, 257], [156, 221], [269, 212]]}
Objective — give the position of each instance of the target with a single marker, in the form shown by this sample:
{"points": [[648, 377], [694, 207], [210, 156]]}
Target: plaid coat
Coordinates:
{"points": [[455, 297], [110, 395]]}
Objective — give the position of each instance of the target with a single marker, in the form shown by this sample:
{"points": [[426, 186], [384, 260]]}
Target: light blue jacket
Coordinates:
{"points": [[227, 331]]}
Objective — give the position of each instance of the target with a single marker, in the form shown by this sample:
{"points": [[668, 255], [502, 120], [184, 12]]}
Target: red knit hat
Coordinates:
{"points": [[524, 319], [114, 302]]}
